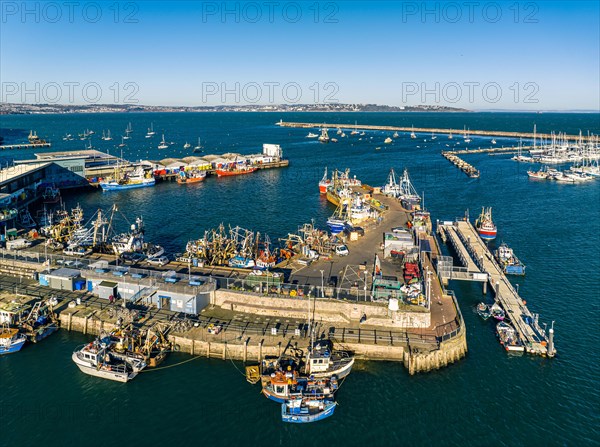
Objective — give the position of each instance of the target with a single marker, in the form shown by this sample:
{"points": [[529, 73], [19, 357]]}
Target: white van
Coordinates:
{"points": [[17, 244]]}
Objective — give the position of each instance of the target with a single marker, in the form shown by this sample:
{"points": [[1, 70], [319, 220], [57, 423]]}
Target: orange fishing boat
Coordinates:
{"points": [[191, 177], [235, 170]]}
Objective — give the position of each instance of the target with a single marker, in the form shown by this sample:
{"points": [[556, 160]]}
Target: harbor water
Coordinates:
{"points": [[487, 398]]}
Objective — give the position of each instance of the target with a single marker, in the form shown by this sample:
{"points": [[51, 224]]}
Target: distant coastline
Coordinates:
{"points": [[36, 109]]}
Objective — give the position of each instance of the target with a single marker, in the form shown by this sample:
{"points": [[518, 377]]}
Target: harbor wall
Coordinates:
{"points": [[417, 359], [331, 311], [253, 348]]}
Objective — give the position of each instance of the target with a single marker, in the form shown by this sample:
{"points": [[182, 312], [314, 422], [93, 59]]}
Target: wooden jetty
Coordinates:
{"points": [[428, 130], [8, 147], [475, 255]]}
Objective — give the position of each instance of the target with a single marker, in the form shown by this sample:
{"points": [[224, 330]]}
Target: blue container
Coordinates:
{"points": [[79, 285], [90, 286]]}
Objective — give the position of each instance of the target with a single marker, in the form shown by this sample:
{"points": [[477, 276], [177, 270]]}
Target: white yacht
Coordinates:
{"points": [[163, 144]]}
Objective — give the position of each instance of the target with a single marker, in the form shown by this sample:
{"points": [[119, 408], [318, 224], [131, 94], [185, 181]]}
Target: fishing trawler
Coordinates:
{"points": [[235, 170], [40, 322], [195, 176], [391, 188], [281, 386], [138, 178], [485, 226], [339, 220], [10, 340], [306, 410], [241, 262], [508, 261], [96, 360], [324, 183], [323, 361]]}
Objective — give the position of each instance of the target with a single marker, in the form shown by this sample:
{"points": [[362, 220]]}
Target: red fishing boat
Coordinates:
{"points": [[485, 226], [324, 183], [235, 170]]}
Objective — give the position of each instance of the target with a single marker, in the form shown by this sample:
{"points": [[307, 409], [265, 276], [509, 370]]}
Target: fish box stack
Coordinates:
{"points": [[411, 273]]}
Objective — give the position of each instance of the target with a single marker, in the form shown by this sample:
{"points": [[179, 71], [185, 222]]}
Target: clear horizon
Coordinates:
{"points": [[486, 56]]}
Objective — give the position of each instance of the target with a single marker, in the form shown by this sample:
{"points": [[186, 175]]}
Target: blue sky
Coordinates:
{"points": [[541, 55]]}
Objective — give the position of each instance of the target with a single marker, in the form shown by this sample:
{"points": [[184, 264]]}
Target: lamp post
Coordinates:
{"points": [[322, 283]]}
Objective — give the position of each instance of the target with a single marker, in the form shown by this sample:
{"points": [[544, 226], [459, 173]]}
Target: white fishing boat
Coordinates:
{"points": [[355, 130], [433, 137], [187, 145], [395, 135], [106, 137], [412, 134], [312, 135], [96, 360], [122, 142], [493, 141], [323, 361], [339, 131], [163, 144], [388, 140], [392, 188]]}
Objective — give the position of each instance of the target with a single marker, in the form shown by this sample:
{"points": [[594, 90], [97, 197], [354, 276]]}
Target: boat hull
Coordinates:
{"points": [[188, 180], [42, 333], [224, 173], [13, 347], [340, 372], [102, 374], [487, 234], [303, 417]]}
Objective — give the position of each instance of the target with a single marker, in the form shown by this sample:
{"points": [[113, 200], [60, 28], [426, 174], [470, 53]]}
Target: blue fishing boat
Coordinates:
{"points": [[241, 262], [303, 411], [121, 181], [508, 261], [11, 340], [335, 225]]}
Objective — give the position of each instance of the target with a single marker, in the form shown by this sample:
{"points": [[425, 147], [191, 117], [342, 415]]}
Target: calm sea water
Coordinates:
{"points": [[488, 398]]}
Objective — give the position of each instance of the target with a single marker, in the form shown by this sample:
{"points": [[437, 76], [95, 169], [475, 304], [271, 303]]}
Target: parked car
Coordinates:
{"points": [[133, 257], [341, 250], [160, 261]]}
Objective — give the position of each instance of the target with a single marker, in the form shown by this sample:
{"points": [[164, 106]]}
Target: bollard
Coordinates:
{"points": [[551, 343]]}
